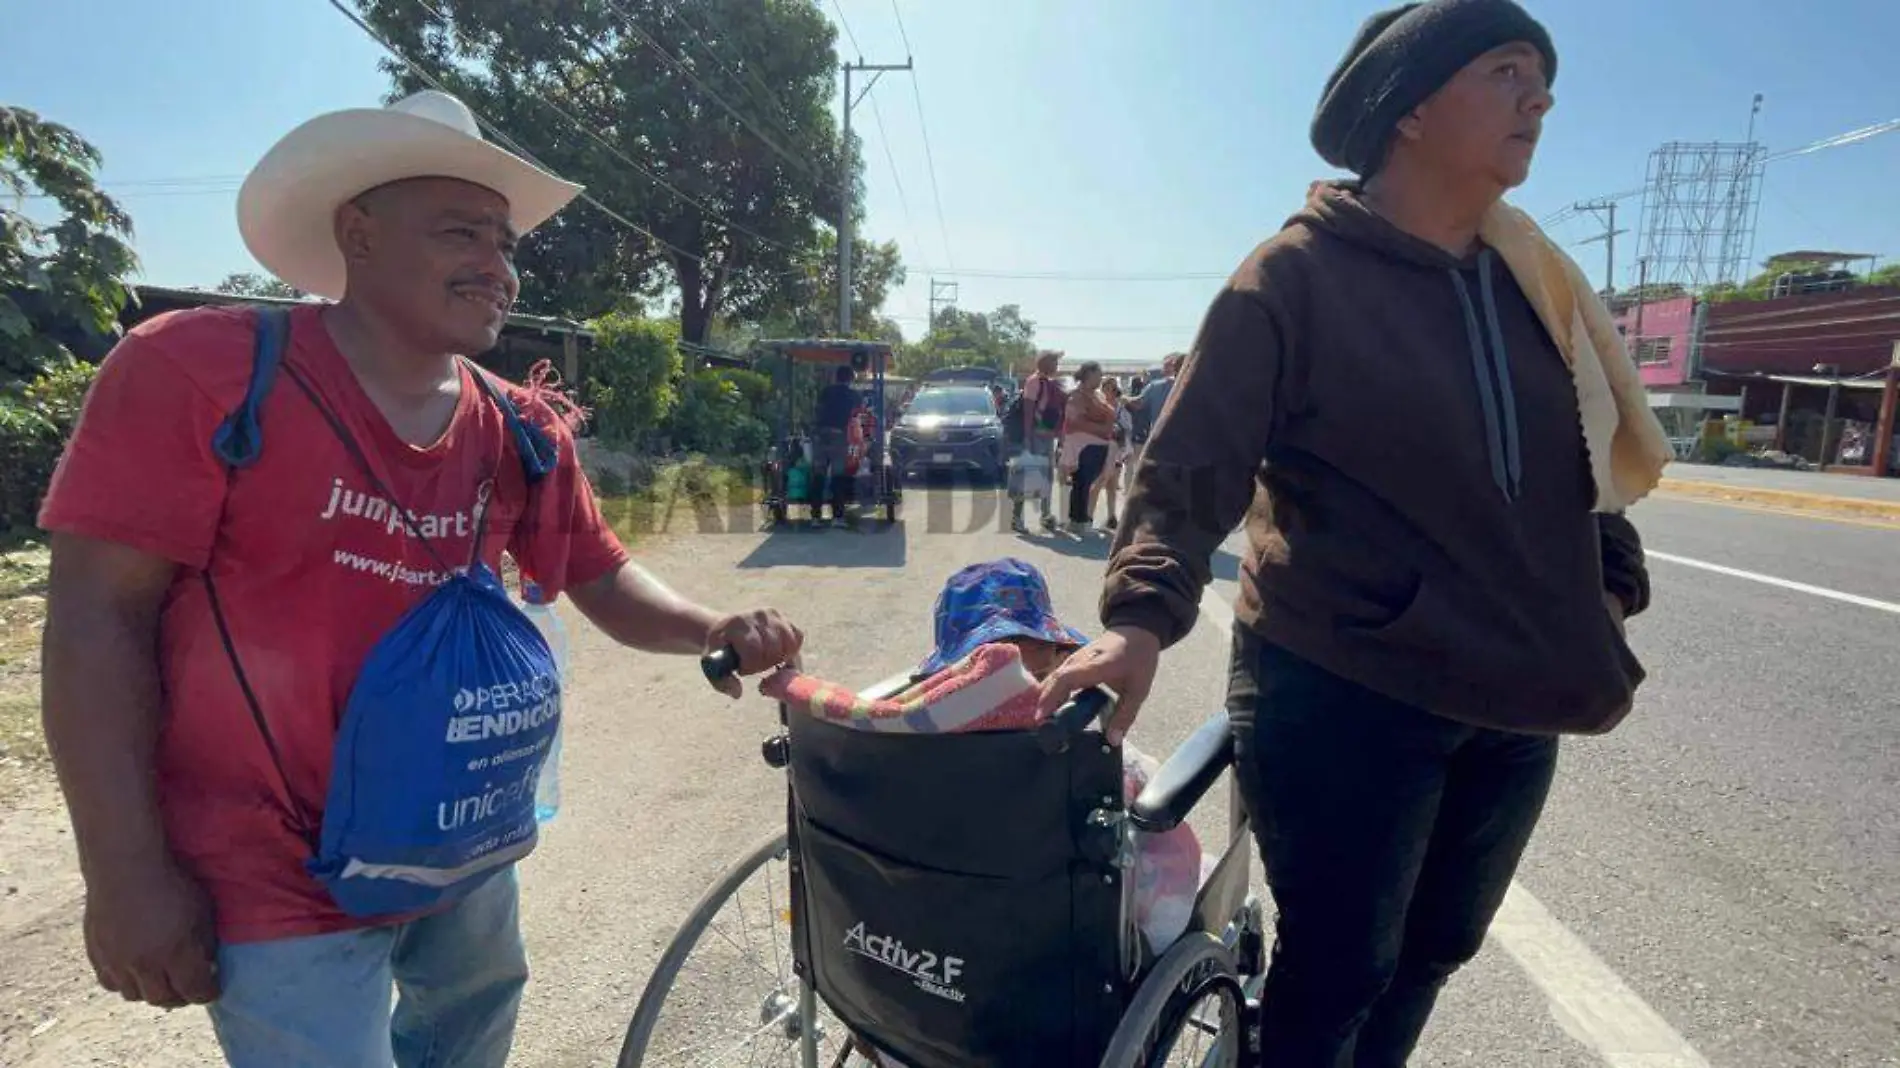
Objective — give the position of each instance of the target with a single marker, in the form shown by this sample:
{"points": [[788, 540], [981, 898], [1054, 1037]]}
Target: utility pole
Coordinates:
{"points": [[944, 293], [1642, 293], [1606, 210], [846, 182]]}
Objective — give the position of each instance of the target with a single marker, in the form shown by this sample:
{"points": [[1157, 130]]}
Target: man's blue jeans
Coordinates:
{"points": [[325, 1001]]}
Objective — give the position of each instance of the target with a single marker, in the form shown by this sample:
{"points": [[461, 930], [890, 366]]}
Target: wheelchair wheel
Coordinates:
{"points": [[1187, 1013], [724, 991]]}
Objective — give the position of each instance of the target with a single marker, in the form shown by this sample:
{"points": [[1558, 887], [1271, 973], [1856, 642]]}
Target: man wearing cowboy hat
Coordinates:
{"points": [[183, 808]]}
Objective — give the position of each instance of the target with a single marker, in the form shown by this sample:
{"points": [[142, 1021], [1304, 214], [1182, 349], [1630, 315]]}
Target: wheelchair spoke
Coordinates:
{"points": [[735, 1002], [750, 956]]}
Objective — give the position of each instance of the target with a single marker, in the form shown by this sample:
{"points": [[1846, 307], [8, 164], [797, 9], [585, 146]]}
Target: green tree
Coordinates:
{"points": [[632, 384], [247, 284], [1885, 276], [805, 304], [742, 201], [1762, 285], [1002, 339], [715, 416], [62, 284]]}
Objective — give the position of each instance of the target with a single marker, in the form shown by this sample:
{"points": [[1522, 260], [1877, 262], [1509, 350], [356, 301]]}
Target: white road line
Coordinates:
{"points": [[1770, 580], [1588, 1000]]}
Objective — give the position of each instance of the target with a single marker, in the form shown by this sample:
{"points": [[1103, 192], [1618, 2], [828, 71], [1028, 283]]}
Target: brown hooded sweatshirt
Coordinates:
{"points": [[1402, 437]]}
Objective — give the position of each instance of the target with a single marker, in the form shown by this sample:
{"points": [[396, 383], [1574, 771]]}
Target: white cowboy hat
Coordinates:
{"points": [[287, 206]]}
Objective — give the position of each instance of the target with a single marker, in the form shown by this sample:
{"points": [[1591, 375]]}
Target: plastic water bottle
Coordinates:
{"points": [[547, 790]]}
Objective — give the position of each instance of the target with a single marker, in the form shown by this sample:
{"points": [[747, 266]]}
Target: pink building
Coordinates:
{"points": [[1658, 337]]}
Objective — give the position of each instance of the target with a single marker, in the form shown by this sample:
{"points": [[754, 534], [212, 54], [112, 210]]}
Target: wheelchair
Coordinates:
{"points": [[960, 901]]}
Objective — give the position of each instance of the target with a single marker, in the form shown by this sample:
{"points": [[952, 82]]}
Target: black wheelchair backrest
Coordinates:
{"points": [[958, 897]]}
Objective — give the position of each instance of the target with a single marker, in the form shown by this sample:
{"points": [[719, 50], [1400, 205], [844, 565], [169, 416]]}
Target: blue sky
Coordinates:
{"points": [[1080, 137]]}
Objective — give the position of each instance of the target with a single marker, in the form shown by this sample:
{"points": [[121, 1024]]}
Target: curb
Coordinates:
{"points": [[1783, 500]]}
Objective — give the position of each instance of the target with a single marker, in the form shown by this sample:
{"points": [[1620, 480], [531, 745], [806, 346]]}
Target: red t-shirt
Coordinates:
{"points": [[310, 568]]}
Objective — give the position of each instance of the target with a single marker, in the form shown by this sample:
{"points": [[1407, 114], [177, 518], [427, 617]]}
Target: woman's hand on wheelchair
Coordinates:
{"points": [[761, 639], [1123, 660]]}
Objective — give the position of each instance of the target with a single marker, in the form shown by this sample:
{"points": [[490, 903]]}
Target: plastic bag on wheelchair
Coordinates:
{"points": [[957, 903]]}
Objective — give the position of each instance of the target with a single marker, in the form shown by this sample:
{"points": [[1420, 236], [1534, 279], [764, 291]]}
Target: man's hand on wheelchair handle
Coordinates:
{"points": [[1123, 660], [763, 640]]}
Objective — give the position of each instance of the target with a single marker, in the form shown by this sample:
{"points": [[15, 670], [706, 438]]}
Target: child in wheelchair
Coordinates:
{"points": [[971, 888], [997, 639]]}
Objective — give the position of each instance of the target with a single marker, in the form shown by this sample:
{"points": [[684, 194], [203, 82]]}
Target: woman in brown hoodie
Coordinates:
{"points": [[1429, 599]]}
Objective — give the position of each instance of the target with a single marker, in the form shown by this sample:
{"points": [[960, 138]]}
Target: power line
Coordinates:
{"points": [[782, 116], [203, 185], [181, 180], [501, 135], [1840, 140], [743, 119], [852, 37], [884, 140], [917, 94], [910, 227], [652, 175], [1073, 276], [1851, 137], [1078, 329], [182, 186], [901, 35]]}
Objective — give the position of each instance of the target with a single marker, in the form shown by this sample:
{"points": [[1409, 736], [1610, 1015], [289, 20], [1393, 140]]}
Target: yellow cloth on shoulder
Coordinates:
{"points": [[1628, 449]]}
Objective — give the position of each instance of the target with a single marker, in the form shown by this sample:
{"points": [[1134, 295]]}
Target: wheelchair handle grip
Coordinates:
{"points": [[720, 666], [1061, 729]]}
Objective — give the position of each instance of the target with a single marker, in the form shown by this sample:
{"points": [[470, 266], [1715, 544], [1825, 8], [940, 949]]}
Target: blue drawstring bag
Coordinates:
{"points": [[441, 745], [453, 713]]}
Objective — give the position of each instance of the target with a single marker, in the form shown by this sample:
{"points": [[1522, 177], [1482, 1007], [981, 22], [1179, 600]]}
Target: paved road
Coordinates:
{"points": [[1727, 862], [1731, 855]]}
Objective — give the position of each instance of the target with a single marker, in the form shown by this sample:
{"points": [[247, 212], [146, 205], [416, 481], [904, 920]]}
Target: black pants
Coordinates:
{"points": [[1389, 836], [1088, 468]]}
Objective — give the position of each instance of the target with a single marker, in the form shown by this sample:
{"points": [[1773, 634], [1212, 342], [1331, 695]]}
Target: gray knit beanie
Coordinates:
{"points": [[1400, 57]]}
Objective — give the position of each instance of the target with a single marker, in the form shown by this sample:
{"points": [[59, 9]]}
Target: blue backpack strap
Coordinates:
{"points": [[239, 440], [540, 454]]}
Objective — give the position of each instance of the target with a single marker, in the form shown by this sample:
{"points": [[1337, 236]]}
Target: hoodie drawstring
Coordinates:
{"points": [[1490, 365]]}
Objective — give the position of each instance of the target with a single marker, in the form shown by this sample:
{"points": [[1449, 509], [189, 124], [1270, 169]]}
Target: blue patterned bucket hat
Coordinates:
{"points": [[989, 602]]}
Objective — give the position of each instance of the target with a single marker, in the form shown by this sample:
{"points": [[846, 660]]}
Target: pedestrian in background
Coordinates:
{"points": [[838, 404], [1424, 412], [1088, 430], [1144, 407], [1111, 480], [1043, 402]]}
